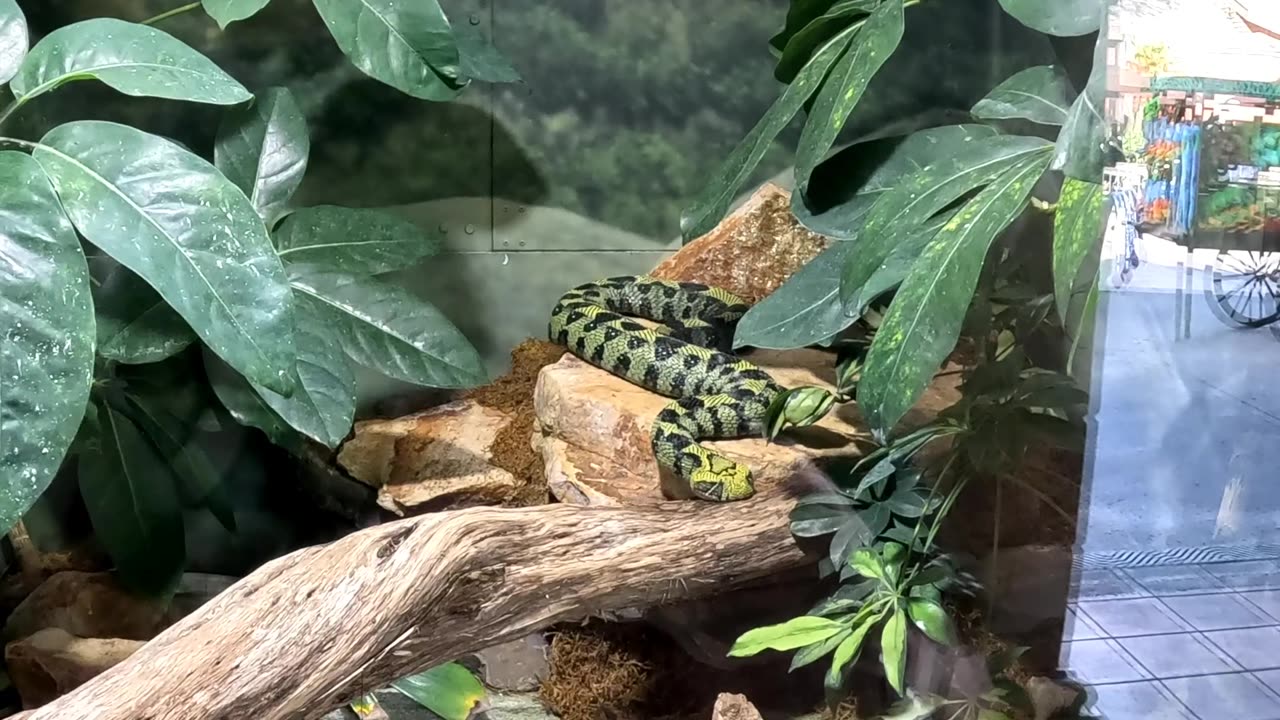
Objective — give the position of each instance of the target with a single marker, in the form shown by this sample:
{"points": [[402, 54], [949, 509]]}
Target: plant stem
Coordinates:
{"points": [[20, 143], [170, 13]]}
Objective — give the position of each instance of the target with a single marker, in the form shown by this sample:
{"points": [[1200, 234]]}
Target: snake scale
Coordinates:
{"points": [[716, 394]]}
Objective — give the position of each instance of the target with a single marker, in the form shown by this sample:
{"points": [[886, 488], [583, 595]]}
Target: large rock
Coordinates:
{"points": [[751, 252], [434, 460], [52, 662], [519, 665], [595, 431], [87, 605]]}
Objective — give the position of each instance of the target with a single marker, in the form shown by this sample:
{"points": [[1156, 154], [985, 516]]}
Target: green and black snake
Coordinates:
{"points": [[717, 395]]}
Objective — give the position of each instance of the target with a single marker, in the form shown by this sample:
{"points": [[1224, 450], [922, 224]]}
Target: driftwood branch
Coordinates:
{"points": [[315, 628]]}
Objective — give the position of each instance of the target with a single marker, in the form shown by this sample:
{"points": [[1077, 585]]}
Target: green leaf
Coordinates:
{"points": [[932, 619], [382, 326], [805, 310], [409, 46], [867, 563], [812, 653], [197, 481], [914, 707], [46, 348], [263, 149], [893, 649], [711, 204], [854, 178], [795, 633], [853, 531], [848, 651], [1081, 150], [325, 402], [1084, 327], [897, 265], [225, 12], [14, 39], [136, 325], [213, 262], [925, 319], [129, 493], [353, 240], [134, 59], [448, 690], [818, 520], [480, 60], [844, 87], [1065, 18], [1040, 94], [800, 47], [920, 196], [246, 406]]}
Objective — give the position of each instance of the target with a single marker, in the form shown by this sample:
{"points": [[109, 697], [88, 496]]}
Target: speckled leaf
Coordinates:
{"points": [[225, 12], [134, 59], [895, 267], [1082, 144], [13, 39], [924, 193], [846, 83], [263, 149], [800, 47], [409, 46], [384, 327], [1040, 94], [480, 60], [173, 219], [245, 405], [325, 402], [862, 173], [136, 325], [893, 649], [353, 240], [129, 493], [712, 203], [1077, 230], [927, 313], [448, 690], [1064, 18], [795, 633], [799, 14], [805, 310], [46, 341]]}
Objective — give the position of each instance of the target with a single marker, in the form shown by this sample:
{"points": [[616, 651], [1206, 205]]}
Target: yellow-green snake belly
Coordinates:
{"points": [[717, 395]]}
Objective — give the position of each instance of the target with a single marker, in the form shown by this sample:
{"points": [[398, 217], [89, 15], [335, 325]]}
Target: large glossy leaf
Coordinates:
{"points": [[384, 327], [795, 633], [263, 149], [801, 46], [131, 500], [245, 405], [897, 265], [1077, 230], [173, 219], [805, 310], [844, 87], [409, 46], [448, 690], [353, 240], [1065, 18], [136, 325], [799, 14], [13, 39], [1082, 144], [132, 58], [927, 313], [932, 619], [848, 650], [325, 402], [860, 174], [46, 339], [711, 204], [225, 12], [893, 649], [480, 60], [924, 193], [1040, 94]]}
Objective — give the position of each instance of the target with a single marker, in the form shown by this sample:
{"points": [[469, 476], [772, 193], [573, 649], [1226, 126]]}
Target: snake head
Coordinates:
{"points": [[720, 479], [797, 407]]}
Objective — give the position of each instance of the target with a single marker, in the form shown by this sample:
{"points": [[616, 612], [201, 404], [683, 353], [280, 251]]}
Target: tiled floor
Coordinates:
{"points": [[1184, 642]]}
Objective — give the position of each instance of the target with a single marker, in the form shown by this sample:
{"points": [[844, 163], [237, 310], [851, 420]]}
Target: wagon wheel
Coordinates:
{"points": [[1246, 287]]}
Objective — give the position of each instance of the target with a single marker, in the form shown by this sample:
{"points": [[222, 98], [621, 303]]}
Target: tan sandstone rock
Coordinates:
{"points": [[731, 706], [86, 605], [595, 432], [434, 460], [53, 662], [751, 252]]}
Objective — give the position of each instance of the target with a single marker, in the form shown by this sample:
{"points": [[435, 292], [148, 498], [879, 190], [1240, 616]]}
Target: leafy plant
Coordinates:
{"points": [[122, 248], [449, 691]]}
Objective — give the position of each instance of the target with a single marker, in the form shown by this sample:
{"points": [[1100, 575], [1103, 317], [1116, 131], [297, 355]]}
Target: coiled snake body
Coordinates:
{"points": [[717, 395]]}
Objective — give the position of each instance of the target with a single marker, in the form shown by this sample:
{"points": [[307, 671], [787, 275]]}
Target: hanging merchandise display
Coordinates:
{"points": [[1171, 156]]}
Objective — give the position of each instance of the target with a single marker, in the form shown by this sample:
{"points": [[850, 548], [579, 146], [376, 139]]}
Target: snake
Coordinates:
{"points": [[686, 356]]}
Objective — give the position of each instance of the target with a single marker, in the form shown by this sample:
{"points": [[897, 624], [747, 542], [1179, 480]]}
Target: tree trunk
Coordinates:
{"points": [[313, 629]]}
